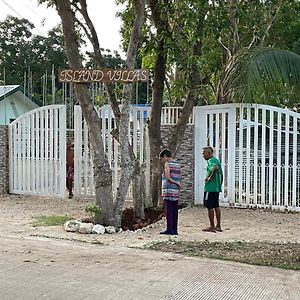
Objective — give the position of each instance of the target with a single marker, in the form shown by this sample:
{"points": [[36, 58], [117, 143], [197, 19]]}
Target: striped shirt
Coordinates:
{"points": [[170, 191]]}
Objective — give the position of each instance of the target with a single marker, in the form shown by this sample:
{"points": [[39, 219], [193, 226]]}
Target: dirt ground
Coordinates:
{"points": [[18, 212]]}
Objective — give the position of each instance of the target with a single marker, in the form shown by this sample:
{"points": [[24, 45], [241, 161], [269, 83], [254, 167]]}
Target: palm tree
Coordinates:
{"points": [[263, 75]]}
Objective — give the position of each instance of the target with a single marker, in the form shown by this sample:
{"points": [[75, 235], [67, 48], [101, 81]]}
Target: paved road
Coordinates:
{"points": [[34, 268]]}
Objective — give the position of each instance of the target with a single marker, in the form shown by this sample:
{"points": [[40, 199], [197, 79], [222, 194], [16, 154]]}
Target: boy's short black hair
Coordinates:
{"points": [[165, 152]]}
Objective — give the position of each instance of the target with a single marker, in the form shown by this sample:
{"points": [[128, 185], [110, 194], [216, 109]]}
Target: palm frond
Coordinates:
{"points": [[253, 71]]}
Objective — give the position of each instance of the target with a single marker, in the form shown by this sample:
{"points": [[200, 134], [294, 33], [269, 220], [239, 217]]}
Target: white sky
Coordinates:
{"points": [[102, 13]]}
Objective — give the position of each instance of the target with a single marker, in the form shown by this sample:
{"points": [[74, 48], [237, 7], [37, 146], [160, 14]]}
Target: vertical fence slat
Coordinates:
{"points": [[77, 150], [32, 155], [248, 146], [263, 159], [134, 131], [56, 149], [278, 178], [86, 156], [142, 133], [223, 139], [295, 151], [255, 175], [241, 154], [109, 136], [217, 136], [47, 147], [51, 158], [231, 149], [103, 119], [211, 130], [286, 161], [44, 186], [271, 158], [11, 157], [38, 156], [62, 150], [27, 153]]}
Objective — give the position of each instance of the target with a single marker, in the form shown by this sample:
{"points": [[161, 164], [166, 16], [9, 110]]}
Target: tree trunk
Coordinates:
{"points": [[155, 123], [138, 191], [128, 159], [157, 98], [195, 80], [102, 171]]}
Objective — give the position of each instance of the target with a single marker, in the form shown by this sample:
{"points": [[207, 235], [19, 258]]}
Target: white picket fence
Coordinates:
{"points": [[170, 116], [259, 148], [258, 145], [37, 152]]}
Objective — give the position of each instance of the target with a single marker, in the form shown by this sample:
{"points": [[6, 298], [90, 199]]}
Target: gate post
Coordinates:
{"points": [[63, 149], [200, 142], [231, 154]]}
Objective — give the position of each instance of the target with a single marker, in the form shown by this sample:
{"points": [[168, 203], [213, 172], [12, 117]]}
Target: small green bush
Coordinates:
{"points": [[93, 210]]}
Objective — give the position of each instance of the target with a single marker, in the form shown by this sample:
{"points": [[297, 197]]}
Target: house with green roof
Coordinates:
{"points": [[15, 101]]}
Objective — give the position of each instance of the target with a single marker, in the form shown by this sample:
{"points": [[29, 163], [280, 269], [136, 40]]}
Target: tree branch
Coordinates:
{"points": [[270, 23]]}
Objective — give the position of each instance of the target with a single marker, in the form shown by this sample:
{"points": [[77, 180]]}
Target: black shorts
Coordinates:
{"points": [[211, 199]]}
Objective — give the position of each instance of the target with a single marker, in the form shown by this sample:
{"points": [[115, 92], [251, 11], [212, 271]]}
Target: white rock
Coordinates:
{"points": [[98, 229], [72, 225], [120, 230], [110, 229], [85, 227]]}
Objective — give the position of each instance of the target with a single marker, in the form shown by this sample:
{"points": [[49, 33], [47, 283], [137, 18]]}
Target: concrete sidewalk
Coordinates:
{"points": [[32, 268]]}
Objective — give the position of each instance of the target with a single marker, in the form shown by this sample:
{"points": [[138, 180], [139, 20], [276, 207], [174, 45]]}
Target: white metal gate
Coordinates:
{"points": [[259, 148], [138, 137], [37, 150]]}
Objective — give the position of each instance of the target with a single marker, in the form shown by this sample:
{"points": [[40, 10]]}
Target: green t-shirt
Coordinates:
{"points": [[215, 184]]}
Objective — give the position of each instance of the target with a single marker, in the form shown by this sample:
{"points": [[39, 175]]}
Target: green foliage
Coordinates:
{"points": [[50, 220], [259, 74], [93, 210], [24, 53], [182, 18]]}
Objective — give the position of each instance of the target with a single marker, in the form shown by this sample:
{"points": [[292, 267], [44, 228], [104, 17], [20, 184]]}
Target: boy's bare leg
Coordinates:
{"points": [[218, 216], [211, 216]]}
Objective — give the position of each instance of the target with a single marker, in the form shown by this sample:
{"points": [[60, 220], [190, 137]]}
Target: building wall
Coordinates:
{"points": [[4, 178], [185, 156]]}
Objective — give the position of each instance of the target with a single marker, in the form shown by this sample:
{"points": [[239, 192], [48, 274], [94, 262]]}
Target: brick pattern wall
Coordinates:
{"points": [[185, 156], [4, 179]]}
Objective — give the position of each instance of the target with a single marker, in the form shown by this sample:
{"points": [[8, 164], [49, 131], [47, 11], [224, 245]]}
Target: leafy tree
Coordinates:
{"points": [[75, 12], [25, 57]]}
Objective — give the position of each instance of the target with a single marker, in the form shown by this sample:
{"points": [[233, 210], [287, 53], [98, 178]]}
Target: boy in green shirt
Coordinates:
{"points": [[212, 188]]}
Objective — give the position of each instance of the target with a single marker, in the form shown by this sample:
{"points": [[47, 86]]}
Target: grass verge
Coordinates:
{"points": [[50, 220], [280, 255]]}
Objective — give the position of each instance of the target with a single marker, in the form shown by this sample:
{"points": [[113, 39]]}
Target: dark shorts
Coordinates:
{"points": [[211, 199]]}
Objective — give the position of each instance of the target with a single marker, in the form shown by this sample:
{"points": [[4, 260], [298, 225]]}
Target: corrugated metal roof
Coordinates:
{"points": [[5, 89]]}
